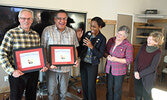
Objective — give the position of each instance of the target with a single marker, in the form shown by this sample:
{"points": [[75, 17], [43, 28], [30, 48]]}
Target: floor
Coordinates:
{"points": [[76, 92], [101, 89]]}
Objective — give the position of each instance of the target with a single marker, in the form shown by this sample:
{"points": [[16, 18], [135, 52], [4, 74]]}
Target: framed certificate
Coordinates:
{"points": [[29, 59], [62, 55]]}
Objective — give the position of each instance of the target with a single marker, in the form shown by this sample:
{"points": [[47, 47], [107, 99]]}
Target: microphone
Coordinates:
{"points": [[89, 35]]}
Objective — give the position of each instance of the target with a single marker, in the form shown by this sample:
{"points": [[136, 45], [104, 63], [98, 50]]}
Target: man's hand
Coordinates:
{"points": [[53, 67], [76, 63], [44, 69], [17, 73]]}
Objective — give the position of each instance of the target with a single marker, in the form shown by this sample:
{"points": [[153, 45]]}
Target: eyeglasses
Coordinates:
{"points": [[64, 19], [120, 34], [28, 19]]}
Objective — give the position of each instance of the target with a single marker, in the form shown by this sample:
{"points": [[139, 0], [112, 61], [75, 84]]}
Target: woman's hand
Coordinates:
{"points": [[111, 58], [115, 59], [136, 75], [87, 43]]}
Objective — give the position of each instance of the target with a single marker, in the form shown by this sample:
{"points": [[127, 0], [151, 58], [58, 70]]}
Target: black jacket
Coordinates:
{"points": [[99, 43]]}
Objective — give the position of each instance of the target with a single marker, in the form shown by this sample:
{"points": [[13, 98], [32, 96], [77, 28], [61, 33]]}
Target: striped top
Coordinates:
{"points": [[14, 39], [52, 36]]}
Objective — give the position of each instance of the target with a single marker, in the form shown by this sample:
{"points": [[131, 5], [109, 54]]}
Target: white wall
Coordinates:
{"points": [[107, 9], [160, 5]]}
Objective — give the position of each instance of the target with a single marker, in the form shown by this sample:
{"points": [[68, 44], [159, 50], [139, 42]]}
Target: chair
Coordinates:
{"points": [[42, 89], [164, 70]]}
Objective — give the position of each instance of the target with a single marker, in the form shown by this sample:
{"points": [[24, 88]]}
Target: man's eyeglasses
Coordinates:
{"points": [[29, 19], [64, 19]]}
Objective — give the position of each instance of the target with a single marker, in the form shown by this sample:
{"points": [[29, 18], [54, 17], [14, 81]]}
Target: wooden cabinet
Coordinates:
{"points": [[142, 32], [131, 84]]}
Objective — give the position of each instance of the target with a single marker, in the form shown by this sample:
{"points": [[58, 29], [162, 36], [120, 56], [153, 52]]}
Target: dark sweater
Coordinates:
{"points": [[145, 58], [148, 74]]}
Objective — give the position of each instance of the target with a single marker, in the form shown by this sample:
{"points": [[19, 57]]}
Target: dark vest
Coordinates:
{"points": [[145, 58]]}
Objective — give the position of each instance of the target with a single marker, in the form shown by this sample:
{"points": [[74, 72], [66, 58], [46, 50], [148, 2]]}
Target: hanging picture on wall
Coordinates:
{"points": [[42, 19]]}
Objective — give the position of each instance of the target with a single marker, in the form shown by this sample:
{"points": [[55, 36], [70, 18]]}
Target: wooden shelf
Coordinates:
{"points": [[141, 33], [141, 36], [150, 16], [137, 45], [149, 27]]}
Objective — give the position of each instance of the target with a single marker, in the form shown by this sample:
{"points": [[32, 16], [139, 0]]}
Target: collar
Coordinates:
{"points": [[20, 29], [151, 49], [65, 30], [98, 35]]}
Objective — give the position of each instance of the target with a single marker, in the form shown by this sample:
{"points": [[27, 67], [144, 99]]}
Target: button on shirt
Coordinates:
{"points": [[124, 50], [52, 36], [14, 39]]}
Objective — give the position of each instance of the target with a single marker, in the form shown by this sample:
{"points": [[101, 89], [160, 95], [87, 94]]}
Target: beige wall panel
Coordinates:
{"points": [[125, 20]]}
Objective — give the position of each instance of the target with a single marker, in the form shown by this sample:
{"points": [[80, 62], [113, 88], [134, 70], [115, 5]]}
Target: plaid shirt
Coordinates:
{"points": [[124, 50], [14, 39], [51, 35]]}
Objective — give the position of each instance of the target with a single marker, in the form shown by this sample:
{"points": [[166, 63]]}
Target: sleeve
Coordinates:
{"points": [[129, 54], [5, 50], [108, 47], [44, 38], [153, 66], [38, 38]]}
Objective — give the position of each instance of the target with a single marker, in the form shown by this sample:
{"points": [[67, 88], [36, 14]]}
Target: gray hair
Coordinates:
{"points": [[27, 11], [124, 28]]}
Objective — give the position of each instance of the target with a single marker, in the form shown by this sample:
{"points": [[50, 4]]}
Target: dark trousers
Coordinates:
{"points": [[27, 82], [114, 87], [140, 91], [88, 78]]}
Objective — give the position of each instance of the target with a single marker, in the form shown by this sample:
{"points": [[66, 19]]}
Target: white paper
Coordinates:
{"points": [[62, 55], [30, 59]]}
